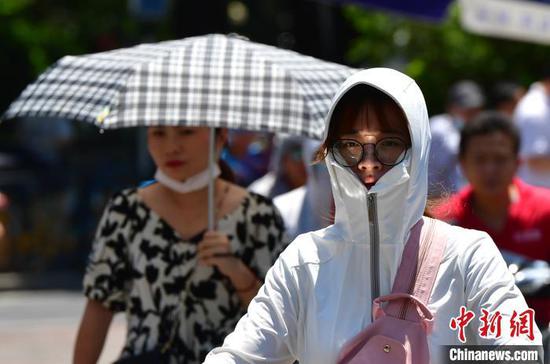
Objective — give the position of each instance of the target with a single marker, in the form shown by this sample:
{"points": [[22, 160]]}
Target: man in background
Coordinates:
{"points": [[515, 214]]}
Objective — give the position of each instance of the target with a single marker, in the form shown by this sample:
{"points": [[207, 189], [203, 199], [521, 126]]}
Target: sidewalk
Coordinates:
{"points": [[39, 327], [42, 311]]}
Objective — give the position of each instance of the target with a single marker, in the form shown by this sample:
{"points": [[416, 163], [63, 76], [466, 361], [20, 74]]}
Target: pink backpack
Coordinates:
{"points": [[399, 333]]}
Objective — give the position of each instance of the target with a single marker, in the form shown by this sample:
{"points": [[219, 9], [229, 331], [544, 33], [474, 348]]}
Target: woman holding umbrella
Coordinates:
{"points": [[319, 294], [183, 287]]}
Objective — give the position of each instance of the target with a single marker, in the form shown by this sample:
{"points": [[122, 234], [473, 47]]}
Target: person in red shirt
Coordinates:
{"points": [[516, 215]]}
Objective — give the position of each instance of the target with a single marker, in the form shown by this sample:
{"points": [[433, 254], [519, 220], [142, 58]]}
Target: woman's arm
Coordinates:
{"points": [[261, 244], [245, 282], [92, 332]]}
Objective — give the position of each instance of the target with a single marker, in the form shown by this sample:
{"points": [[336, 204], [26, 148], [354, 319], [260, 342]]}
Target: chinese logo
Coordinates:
{"points": [[491, 324]]}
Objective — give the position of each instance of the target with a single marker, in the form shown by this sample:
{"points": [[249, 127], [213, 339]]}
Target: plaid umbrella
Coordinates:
{"points": [[213, 80]]}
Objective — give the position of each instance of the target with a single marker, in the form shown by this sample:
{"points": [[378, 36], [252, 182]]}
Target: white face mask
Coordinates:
{"points": [[397, 175], [193, 183]]}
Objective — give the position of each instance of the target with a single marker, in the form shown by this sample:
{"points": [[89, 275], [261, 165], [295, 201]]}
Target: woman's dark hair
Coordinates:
{"points": [[226, 171], [349, 107], [489, 122]]}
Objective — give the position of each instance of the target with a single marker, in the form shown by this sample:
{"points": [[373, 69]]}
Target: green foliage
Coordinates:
{"points": [[10, 7], [436, 55], [45, 30], [35, 33]]}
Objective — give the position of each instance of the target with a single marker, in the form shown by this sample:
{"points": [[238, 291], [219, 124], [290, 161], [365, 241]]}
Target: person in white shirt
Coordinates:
{"points": [[286, 168], [464, 101], [318, 295], [533, 119], [307, 207]]}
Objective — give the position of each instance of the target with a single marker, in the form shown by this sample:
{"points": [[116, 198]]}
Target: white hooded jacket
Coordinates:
{"points": [[318, 294]]}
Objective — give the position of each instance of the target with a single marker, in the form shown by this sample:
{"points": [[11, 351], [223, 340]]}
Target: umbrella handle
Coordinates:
{"points": [[211, 181]]}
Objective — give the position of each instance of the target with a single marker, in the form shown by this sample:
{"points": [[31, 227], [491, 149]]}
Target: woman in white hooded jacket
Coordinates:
{"points": [[318, 294]]}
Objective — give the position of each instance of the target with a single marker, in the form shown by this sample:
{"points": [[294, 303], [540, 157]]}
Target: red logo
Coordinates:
{"points": [[461, 322], [490, 324], [523, 323]]}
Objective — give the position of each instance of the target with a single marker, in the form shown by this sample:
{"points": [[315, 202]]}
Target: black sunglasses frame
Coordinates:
{"points": [[363, 152]]}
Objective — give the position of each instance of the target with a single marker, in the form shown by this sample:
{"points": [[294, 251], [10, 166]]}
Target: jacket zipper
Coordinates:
{"points": [[375, 245]]}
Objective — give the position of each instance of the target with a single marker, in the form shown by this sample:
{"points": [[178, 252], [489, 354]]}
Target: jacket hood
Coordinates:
{"points": [[400, 194]]}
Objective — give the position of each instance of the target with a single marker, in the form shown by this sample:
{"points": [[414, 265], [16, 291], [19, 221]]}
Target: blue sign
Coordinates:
{"points": [[427, 9], [149, 9]]}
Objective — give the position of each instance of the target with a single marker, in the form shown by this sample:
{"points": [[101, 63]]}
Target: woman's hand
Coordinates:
{"points": [[215, 250]]}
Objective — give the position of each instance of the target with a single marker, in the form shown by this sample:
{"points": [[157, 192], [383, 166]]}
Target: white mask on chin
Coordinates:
{"points": [[193, 183]]}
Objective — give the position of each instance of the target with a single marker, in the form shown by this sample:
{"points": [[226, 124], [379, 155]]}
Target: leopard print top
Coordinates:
{"points": [[140, 265]]}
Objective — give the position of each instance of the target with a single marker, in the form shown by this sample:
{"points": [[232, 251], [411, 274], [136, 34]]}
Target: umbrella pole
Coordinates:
{"points": [[211, 182]]}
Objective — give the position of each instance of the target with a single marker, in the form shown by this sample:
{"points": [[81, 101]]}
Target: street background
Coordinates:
{"points": [[39, 325], [58, 174]]}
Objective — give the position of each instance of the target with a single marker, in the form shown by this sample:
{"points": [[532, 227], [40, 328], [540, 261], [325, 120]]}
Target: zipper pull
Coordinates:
{"points": [[370, 205]]}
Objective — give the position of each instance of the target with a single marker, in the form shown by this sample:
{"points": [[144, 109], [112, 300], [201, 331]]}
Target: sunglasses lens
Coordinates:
{"points": [[347, 152], [389, 151]]}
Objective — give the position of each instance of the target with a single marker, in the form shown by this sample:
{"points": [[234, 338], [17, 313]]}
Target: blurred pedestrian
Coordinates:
{"points": [[515, 214], [318, 295], [247, 154], [505, 96], [465, 100], [183, 288], [4, 248], [286, 171], [533, 119], [308, 207], [47, 141]]}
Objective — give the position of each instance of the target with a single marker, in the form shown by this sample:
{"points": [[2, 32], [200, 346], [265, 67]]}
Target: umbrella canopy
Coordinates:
{"points": [[213, 80]]}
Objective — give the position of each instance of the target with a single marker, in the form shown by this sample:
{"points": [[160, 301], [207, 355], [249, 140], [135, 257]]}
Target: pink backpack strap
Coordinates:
{"points": [[429, 267], [420, 262], [407, 268]]}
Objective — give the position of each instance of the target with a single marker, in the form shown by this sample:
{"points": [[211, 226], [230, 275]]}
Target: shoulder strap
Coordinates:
{"points": [[404, 278], [420, 262], [435, 245]]}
